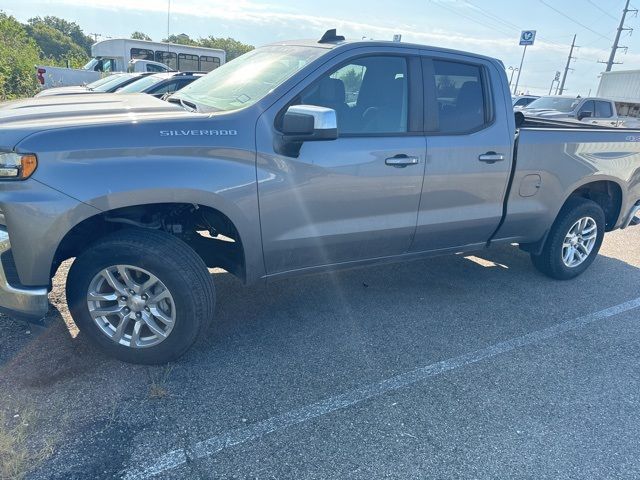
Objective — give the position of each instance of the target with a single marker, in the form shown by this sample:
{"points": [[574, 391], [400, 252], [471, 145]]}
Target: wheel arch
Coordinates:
{"points": [[238, 244], [606, 192]]}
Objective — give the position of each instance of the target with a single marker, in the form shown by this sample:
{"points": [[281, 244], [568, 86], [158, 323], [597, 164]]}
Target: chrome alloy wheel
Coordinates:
{"points": [[579, 242], [131, 306]]}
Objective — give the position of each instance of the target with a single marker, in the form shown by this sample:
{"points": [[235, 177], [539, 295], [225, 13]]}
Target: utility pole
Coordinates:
{"points": [[611, 62], [95, 36], [567, 68], [168, 18]]}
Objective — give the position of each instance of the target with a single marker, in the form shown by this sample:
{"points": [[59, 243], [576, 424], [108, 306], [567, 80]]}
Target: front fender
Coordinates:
{"points": [[37, 219], [220, 178]]}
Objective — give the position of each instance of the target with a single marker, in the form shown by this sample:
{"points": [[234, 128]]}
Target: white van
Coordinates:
{"points": [[123, 54]]}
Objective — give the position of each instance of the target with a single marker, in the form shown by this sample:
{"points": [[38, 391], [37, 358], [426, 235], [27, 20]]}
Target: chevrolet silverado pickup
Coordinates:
{"points": [[295, 158]]}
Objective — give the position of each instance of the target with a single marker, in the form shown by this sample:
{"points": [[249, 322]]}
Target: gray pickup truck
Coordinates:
{"points": [[295, 158]]}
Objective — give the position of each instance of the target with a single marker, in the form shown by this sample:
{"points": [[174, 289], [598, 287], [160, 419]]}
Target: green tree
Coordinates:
{"points": [[18, 57], [56, 47], [181, 39], [140, 36], [66, 28], [233, 47]]}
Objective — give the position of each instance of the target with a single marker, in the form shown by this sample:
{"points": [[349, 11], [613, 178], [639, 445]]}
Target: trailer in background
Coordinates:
{"points": [[623, 87]]}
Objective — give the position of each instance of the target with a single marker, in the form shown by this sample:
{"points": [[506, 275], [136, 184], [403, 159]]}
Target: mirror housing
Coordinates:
{"points": [[583, 115], [305, 123]]}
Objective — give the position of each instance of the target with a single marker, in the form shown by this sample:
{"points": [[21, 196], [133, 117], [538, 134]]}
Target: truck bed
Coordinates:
{"points": [[553, 158], [524, 122]]}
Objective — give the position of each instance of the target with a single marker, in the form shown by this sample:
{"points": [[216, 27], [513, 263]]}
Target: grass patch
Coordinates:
{"points": [[16, 456]]}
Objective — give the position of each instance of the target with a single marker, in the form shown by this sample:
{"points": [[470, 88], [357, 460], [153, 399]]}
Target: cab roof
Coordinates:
{"points": [[330, 41]]}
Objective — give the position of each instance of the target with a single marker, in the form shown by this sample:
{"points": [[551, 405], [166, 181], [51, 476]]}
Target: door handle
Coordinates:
{"points": [[401, 161], [491, 157]]}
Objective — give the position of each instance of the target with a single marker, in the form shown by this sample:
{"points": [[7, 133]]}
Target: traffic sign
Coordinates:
{"points": [[527, 37]]}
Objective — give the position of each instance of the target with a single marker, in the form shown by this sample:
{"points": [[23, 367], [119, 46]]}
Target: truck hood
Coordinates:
{"points": [[21, 118]]}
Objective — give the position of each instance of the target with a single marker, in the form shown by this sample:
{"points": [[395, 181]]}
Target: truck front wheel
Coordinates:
{"points": [[142, 296], [574, 240]]}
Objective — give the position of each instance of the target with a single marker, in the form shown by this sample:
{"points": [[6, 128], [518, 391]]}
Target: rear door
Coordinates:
{"points": [[469, 152]]}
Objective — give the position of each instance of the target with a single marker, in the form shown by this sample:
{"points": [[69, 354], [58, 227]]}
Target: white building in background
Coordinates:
{"points": [[623, 87]]}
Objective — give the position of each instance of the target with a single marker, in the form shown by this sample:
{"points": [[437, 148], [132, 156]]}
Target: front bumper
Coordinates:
{"points": [[28, 303]]}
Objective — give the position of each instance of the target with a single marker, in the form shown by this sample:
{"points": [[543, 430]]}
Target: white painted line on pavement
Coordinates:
{"points": [[213, 445]]}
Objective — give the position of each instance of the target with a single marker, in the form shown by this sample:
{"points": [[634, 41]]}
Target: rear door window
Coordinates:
{"points": [[603, 110], [460, 96]]}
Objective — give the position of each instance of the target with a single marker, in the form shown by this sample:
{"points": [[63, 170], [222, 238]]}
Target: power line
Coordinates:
{"points": [[573, 20], [468, 17], [506, 23], [493, 17], [602, 10]]}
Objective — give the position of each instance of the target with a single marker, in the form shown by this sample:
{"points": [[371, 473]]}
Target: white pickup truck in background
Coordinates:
{"points": [[593, 110], [126, 55], [49, 77]]}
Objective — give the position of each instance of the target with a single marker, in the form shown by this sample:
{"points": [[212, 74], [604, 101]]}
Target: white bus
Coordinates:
{"points": [[114, 55], [124, 54]]}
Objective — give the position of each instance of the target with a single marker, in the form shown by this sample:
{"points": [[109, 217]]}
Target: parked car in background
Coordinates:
{"points": [[599, 111], [160, 84], [123, 54], [521, 101], [107, 84]]}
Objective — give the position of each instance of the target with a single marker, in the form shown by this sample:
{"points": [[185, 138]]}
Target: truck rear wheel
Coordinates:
{"points": [[574, 240], [142, 296]]}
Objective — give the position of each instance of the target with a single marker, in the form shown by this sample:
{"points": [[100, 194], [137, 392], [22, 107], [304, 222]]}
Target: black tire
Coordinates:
{"points": [[550, 260], [173, 262]]}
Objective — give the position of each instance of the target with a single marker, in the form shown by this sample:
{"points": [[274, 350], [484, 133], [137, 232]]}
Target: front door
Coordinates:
{"points": [[353, 198]]}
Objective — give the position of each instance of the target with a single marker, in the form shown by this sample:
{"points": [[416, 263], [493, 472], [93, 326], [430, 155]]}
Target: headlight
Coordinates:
{"points": [[16, 166]]}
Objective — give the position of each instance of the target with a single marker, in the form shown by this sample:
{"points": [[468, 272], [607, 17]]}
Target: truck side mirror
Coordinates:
{"points": [[305, 123], [310, 122], [583, 115]]}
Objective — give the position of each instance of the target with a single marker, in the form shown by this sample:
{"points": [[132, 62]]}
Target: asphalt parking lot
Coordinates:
{"points": [[453, 367]]}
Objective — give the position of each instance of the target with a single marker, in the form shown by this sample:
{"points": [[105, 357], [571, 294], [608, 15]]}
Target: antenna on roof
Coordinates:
{"points": [[331, 36]]}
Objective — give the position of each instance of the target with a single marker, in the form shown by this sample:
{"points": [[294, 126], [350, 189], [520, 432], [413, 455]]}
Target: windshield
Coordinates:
{"points": [[112, 83], [561, 104], [245, 80], [102, 81], [141, 85]]}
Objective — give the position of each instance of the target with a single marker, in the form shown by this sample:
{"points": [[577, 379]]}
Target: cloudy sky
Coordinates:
{"points": [[491, 27]]}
